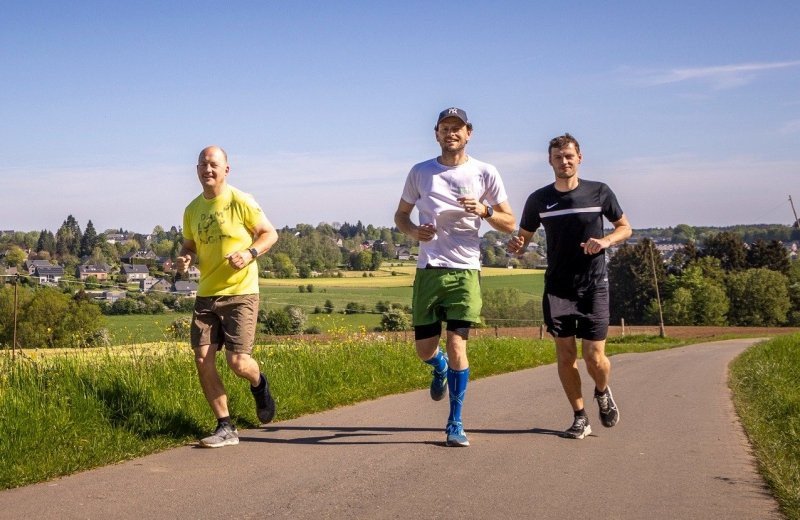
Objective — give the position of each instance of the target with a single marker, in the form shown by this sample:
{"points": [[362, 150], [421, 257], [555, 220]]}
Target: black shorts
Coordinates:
{"points": [[584, 315]]}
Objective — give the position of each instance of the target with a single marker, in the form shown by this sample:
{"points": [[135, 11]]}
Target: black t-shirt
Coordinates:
{"points": [[570, 218]]}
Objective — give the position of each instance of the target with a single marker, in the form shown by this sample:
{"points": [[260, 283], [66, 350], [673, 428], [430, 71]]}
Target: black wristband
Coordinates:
{"points": [[489, 212]]}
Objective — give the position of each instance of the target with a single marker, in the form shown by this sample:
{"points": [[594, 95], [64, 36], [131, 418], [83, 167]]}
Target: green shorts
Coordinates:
{"points": [[446, 294]]}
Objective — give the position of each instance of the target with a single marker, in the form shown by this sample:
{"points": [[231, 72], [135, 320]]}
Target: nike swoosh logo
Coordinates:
{"points": [[551, 206]]}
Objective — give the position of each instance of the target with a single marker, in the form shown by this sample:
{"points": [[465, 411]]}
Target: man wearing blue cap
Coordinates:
{"points": [[452, 193]]}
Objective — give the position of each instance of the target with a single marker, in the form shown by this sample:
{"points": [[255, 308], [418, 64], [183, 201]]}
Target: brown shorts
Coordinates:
{"points": [[225, 320]]}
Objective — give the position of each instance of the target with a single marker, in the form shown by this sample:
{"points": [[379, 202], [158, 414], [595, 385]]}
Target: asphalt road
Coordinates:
{"points": [[678, 452]]}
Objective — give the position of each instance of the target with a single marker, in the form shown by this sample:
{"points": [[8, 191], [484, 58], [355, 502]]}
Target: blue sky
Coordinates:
{"points": [[688, 110]]}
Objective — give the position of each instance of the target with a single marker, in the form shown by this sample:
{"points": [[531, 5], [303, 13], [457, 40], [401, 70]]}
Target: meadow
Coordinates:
{"points": [[114, 404], [354, 287]]}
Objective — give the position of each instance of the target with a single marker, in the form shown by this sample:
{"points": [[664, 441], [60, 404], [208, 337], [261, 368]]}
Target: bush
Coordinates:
{"points": [[50, 318], [184, 304], [276, 322], [395, 320], [355, 308], [281, 322], [180, 329]]}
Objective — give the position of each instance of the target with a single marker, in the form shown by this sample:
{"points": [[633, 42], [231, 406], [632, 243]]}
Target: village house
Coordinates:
{"points": [[134, 272], [186, 288], [49, 275], [403, 253], [161, 286], [99, 271], [31, 265], [142, 256], [147, 284]]}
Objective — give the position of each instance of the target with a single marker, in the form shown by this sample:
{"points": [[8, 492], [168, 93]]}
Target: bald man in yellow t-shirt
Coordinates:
{"points": [[224, 231]]}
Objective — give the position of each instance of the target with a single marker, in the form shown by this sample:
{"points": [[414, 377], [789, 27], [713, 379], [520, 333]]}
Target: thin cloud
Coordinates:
{"points": [[719, 77], [790, 127]]}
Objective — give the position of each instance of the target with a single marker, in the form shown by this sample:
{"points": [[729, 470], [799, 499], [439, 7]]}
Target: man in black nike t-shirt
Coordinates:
{"points": [[575, 302]]}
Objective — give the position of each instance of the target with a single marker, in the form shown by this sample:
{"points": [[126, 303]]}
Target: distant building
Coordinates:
{"points": [[99, 271], [31, 265], [142, 256], [49, 275], [185, 288], [134, 272]]}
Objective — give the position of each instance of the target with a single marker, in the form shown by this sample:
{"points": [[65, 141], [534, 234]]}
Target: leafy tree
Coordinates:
{"points": [[729, 248], [508, 308], [68, 237], [15, 257], [328, 306], [794, 293], [683, 234], [683, 257], [304, 270], [759, 297], [631, 283], [361, 260], [288, 244], [48, 317], [319, 251], [376, 261], [770, 255], [694, 299], [283, 267]]}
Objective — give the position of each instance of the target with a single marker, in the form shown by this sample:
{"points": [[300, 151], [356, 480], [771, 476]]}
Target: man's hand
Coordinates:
{"points": [[239, 259], [425, 232], [516, 246], [595, 245], [472, 205], [182, 263]]}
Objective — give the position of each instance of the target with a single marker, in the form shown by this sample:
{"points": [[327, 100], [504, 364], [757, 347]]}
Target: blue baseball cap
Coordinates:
{"points": [[453, 112]]}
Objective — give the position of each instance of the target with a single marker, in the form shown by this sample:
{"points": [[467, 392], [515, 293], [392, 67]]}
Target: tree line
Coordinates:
{"points": [[723, 281]]}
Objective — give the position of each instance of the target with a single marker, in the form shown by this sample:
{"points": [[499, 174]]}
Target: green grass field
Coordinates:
{"points": [[354, 287]]}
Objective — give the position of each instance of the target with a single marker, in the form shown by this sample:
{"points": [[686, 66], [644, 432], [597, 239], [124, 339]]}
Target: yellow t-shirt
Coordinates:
{"points": [[219, 227]]}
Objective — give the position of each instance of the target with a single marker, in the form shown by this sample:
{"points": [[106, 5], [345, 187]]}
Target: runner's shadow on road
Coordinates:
{"points": [[345, 435]]}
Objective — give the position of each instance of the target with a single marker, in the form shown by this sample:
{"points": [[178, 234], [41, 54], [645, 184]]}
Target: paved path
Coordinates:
{"points": [[678, 452]]}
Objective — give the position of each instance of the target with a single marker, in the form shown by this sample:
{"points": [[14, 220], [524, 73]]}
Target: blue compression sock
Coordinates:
{"points": [[438, 362], [457, 384]]}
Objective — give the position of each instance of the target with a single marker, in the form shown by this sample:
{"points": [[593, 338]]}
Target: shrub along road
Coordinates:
{"points": [[678, 452]]}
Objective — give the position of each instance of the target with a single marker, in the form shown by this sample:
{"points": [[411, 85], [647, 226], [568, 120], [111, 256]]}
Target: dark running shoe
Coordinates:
{"points": [[456, 435], [609, 413], [265, 404], [224, 435], [580, 428], [439, 383]]}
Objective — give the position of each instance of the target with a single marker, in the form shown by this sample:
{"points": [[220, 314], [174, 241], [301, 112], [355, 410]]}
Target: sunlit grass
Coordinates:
{"points": [[68, 411], [766, 385]]}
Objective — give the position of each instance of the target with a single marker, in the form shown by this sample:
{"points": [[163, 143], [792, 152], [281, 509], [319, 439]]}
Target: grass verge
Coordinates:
{"points": [[765, 381], [69, 412]]}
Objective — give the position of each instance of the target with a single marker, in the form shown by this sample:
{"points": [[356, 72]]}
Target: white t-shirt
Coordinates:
{"points": [[434, 189]]}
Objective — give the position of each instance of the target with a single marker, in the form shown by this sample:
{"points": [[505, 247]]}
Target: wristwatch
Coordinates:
{"points": [[253, 252], [489, 212]]}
